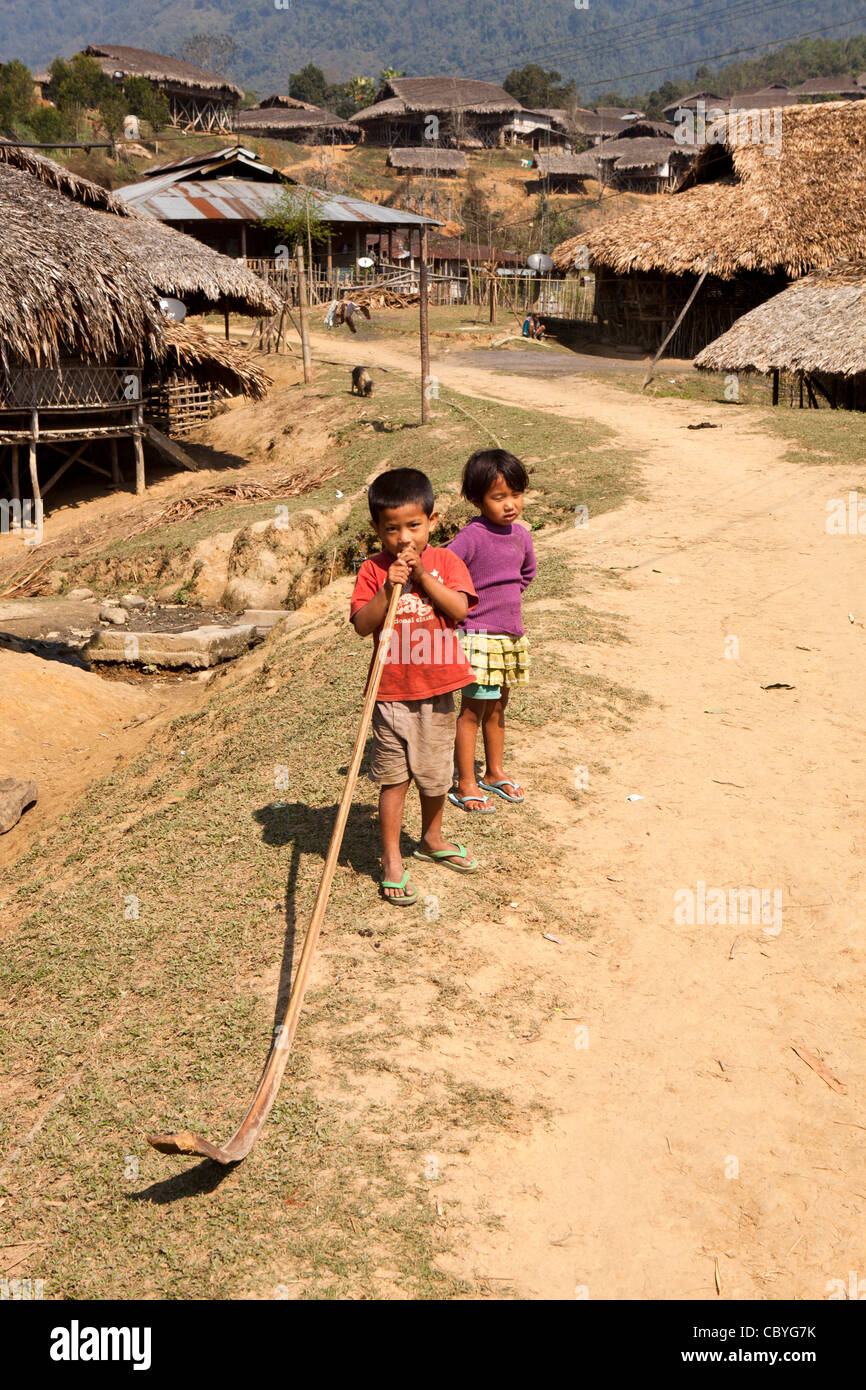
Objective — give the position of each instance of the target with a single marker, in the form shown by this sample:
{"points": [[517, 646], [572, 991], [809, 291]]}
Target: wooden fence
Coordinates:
{"points": [[570, 299]]}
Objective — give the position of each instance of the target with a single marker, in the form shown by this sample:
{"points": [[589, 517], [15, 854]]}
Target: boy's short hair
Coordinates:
{"points": [[400, 487], [485, 466]]}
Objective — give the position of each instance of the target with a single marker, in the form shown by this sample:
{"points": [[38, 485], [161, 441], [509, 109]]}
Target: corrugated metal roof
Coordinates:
{"points": [[172, 198]]}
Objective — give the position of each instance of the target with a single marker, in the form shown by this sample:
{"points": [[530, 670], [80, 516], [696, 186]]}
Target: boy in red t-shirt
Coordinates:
{"points": [[414, 720]]}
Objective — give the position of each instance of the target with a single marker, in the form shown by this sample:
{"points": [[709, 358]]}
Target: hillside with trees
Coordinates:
{"points": [[626, 47]]}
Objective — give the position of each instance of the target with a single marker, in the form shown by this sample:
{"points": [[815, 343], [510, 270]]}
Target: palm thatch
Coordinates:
{"points": [[161, 69], [635, 153], [289, 121], [183, 266], [572, 165], [424, 94], [194, 353], [789, 210], [77, 283], [818, 324], [433, 159], [68, 287], [55, 176], [176, 264]]}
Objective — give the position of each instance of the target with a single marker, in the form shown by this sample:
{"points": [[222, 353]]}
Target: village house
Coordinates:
{"points": [[198, 100], [814, 333], [432, 159], [542, 130], [220, 198], [565, 173], [285, 118], [85, 344], [455, 111], [749, 217]]}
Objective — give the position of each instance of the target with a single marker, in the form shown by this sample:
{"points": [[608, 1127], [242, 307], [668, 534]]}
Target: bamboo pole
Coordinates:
{"points": [[16, 482], [423, 328], [31, 454], [304, 311], [245, 1136], [688, 304]]}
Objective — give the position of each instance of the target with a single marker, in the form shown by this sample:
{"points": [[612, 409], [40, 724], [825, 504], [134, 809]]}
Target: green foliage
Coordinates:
{"points": [[147, 102], [16, 94], [46, 124], [113, 109], [291, 213], [79, 85], [535, 87], [309, 85]]}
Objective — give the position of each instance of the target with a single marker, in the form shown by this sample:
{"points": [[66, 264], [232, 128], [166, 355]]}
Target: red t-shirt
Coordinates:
{"points": [[425, 657]]}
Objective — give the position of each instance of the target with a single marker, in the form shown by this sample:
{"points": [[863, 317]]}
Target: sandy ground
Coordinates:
{"points": [[688, 1150], [691, 1151]]}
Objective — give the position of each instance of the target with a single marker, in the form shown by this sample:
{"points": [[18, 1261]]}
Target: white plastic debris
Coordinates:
{"points": [[634, 797]]}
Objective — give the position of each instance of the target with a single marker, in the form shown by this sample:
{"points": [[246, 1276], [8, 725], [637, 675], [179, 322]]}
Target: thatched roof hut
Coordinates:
{"points": [[430, 160], [67, 288], [160, 69], [566, 172], [284, 118], [468, 112], [764, 213], [63, 180], [818, 324], [175, 264], [198, 99]]}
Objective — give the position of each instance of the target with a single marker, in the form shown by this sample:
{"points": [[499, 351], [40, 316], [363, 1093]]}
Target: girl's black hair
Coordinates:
{"points": [[397, 488], [485, 466]]}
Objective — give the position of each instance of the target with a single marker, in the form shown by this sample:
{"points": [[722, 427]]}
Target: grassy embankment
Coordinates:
{"points": [[140, 972]]}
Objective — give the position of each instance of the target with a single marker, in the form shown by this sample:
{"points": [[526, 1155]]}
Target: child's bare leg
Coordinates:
{"points": [[469, 721], [431, 824], [391, 802], [493, 732]]}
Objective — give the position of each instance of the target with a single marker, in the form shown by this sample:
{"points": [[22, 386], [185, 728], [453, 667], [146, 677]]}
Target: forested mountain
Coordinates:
{"points": [[630, 46]]}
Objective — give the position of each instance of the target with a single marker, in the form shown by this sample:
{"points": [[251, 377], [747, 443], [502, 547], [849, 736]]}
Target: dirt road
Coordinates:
{"points": [[690, 1151]]}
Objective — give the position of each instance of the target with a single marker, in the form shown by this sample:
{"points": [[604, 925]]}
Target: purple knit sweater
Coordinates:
{"points": [[501, 562]]}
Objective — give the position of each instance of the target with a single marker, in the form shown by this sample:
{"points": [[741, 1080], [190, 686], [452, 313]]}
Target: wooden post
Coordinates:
{"points": [[425, 341], [34, 476], [309, 242], [685, 309], [226, 316], [115, 464], [330, 258], [776, 387], [493, 297], [390, 248], [16, 483], [139, 454], [357, 245], [304, 316]]}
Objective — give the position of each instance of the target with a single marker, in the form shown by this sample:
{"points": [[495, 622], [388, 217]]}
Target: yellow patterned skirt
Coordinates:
{"points": [[496, 660]]}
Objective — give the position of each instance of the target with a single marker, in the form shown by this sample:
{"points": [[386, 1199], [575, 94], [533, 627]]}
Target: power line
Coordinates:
{"points": [[571, 49], [713, 57]]}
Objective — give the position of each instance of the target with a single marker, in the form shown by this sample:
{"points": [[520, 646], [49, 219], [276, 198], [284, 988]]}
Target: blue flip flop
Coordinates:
{"points": [[496, 789], [461, 801]]}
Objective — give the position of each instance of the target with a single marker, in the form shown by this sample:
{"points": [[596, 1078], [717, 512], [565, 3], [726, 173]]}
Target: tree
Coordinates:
{"points": [[387, 73], [113, 110], [210, 51], [535, 87], [16, 94], [290, 214], [147, 102], [361, 91], [309, 85]]}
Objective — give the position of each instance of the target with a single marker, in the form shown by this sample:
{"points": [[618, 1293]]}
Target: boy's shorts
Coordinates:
{"points": [[414, 738]]}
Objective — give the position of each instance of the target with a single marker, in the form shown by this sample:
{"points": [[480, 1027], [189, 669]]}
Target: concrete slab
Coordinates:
{"points": [[199, 647]]}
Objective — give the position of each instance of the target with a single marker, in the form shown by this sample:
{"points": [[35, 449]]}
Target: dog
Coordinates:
{"points": [[362, 382]]}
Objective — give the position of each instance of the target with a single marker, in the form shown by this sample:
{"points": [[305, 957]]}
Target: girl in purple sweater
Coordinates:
{"points": [[501, 562]]}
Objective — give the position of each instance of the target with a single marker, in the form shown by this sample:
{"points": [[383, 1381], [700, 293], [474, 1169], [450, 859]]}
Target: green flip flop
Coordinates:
{"points": [[447, 857], [406, 899]]}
